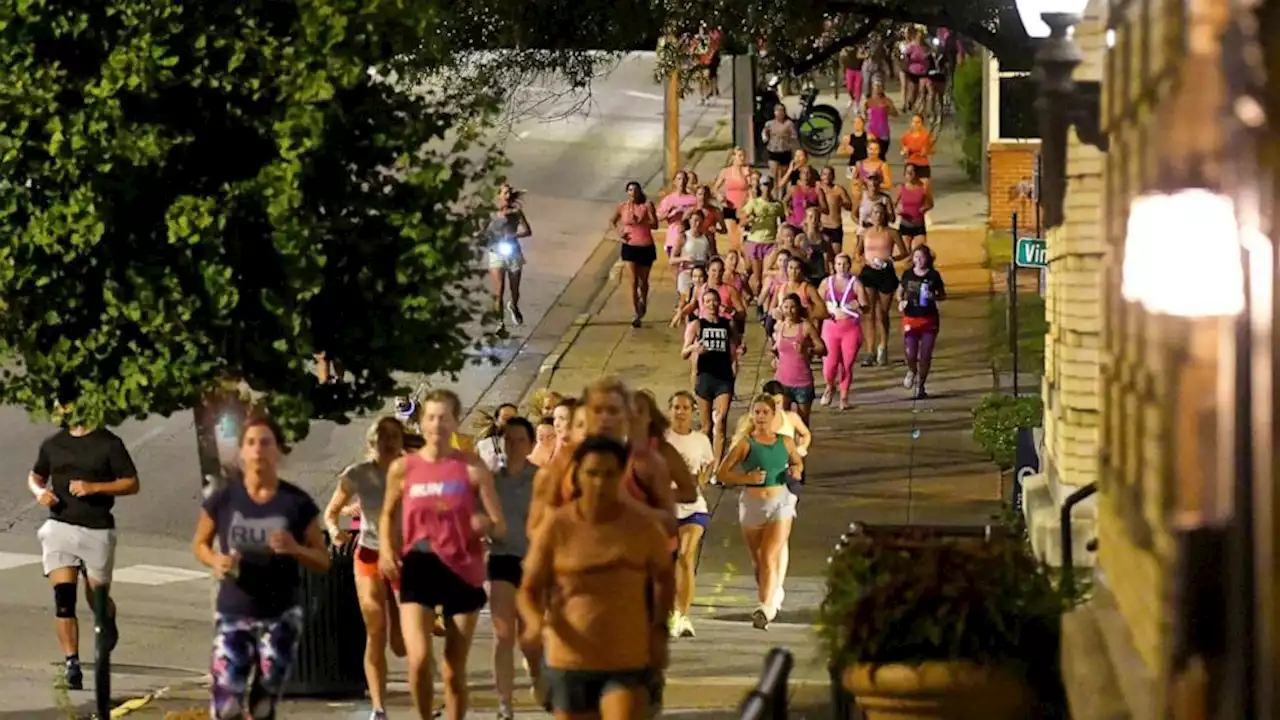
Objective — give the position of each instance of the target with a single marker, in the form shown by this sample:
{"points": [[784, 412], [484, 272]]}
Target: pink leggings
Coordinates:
{"points": [[853, 83], [843, 340]]}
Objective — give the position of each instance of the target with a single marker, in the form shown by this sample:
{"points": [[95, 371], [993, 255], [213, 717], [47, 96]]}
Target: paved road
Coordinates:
{"points": [[574, 169]]}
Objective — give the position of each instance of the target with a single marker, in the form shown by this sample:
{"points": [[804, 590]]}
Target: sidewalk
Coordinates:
{"points": [[887, 460]]}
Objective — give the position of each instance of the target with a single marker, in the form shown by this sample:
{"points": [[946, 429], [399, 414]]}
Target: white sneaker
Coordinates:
{"points": [[762, 616], [686, 627], [909, 381], [778, 596], [675, 624]]}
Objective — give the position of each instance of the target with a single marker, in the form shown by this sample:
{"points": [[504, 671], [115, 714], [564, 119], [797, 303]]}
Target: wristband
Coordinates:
{"points": [[35, 487]]}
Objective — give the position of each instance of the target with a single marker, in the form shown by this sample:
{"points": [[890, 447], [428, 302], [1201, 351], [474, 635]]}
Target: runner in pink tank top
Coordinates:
{"points": [[437, 510], [438, 553], [796, 341]]}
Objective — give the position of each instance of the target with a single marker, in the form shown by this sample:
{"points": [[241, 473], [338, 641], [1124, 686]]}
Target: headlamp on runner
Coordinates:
{"points": [[506, 248], [405, 408]]}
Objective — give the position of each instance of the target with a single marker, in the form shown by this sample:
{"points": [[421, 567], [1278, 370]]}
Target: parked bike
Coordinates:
{"points": [[818, 125]]}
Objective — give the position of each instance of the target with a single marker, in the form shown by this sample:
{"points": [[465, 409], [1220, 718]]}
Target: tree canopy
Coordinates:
{"points": [[194, 194], [558, 36]]}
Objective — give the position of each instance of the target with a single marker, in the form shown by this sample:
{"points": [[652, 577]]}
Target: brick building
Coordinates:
{"points": [[1146, 404]]}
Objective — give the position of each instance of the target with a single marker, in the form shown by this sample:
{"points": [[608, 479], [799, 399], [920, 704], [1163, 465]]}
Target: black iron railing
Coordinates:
{"points": [[768, 701], [1068, 545]]}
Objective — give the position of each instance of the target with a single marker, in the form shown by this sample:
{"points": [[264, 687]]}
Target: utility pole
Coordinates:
{"points": [[671, 126]]}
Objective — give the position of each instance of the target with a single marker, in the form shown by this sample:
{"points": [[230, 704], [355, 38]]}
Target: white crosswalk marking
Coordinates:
{"points": [[9, 560], [155, 575]]}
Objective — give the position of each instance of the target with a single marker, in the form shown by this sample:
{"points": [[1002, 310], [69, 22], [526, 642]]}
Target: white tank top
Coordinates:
{"points": [[696, 249], [788, 429]]}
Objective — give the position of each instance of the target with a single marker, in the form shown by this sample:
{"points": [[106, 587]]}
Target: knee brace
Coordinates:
{"points": [[64, 600]]}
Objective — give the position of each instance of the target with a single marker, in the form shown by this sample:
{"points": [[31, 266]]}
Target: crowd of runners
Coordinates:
{"points": [[580, 528]]}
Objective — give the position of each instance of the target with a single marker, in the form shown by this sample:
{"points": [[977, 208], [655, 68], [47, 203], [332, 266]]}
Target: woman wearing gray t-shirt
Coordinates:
{"points": [[366, 483], [514, 483]]}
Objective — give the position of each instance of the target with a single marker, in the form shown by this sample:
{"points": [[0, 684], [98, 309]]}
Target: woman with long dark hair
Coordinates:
{"points": [[634, 220]]}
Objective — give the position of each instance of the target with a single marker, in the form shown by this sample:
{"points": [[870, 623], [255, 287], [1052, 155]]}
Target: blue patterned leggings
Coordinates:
{"points": [[242, 646]]}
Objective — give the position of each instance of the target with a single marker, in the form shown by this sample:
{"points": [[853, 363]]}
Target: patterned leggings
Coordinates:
{"points": [[242, 646]]}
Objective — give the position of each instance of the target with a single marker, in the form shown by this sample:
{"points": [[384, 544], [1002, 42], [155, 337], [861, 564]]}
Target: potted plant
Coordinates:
{"points": [[919, 625]]}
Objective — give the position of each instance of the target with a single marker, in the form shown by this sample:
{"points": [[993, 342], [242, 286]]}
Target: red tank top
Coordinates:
{"points": [[437, 507]]}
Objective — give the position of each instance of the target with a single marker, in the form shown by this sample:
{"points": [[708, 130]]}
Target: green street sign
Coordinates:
{"points": [[1030, 253]]}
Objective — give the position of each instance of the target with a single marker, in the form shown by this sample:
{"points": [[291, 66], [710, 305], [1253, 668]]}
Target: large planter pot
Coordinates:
{"points": [[939, 691]]}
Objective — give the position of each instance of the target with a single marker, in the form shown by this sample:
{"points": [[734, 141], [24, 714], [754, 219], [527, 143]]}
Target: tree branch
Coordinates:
{"points": [[1003, 35], [821, 55]]}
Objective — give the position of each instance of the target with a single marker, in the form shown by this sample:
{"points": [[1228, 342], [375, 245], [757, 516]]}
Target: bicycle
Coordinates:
{"points": [[818, 125]]}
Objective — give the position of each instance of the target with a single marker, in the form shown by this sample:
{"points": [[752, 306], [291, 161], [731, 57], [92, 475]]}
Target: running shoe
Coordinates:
{"points": [[516, 316], [826, 397], [505, 713], [760, 618], [74, 675], [674, 624], [686, 627], [920, 393], [909, 381], [778, 597], [882, 355], [378, 714]]}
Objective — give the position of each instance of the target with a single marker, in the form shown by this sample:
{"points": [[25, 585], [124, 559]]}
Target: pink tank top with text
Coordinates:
{"points": [[436, 511]]}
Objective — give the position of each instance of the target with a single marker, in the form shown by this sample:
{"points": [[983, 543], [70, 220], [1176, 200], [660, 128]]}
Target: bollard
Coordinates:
{"points": [[101, 654]]}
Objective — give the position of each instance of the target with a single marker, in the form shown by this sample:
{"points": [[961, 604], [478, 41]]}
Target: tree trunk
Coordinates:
{"points": [[218, 419]]}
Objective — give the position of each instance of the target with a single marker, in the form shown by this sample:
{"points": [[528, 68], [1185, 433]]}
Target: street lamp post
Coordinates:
{"points": [[1063, 101], [1212, 604]]}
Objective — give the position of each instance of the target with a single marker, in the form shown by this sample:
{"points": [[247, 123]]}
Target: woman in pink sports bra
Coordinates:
{"points": [[913, 200], [731, 187], [634, 221], [438, 553], [842, 332], [796, 342]]}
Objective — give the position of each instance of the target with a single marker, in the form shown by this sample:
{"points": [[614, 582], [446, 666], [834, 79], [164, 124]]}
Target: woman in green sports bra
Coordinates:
{"points": [[762, 463]]}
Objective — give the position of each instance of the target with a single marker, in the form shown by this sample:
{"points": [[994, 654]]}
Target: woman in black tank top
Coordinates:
{"points": [[713, 342]]}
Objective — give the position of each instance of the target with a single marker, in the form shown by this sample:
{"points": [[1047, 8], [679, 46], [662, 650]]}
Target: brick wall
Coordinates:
{"points": [[1073, 299], [1010, 163]]}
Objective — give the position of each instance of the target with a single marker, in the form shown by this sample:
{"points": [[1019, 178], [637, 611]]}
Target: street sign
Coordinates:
{"points": [[1030, 253]]}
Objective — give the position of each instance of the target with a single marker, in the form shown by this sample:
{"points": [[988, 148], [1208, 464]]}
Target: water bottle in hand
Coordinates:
{"points": [[924, 294]]}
